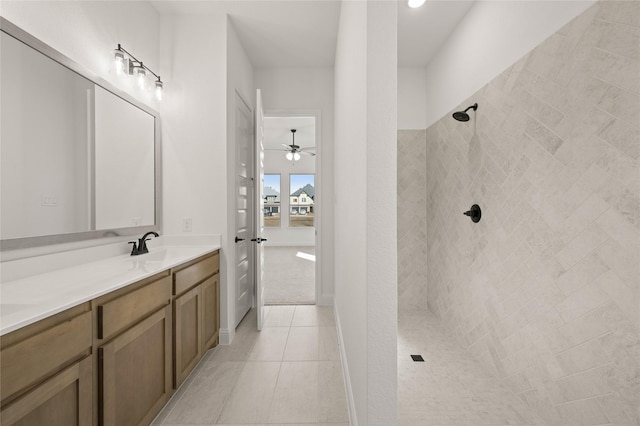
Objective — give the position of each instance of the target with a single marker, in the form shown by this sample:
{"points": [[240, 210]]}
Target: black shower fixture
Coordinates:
{"points": [[474, 213], [462, 115]]}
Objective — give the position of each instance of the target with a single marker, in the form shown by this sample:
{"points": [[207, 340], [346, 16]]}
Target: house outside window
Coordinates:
{"points": [[301, 200], [271, 194]]}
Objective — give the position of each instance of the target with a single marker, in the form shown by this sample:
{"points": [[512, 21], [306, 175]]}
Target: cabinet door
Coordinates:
{"points": [[135, 372], [65, 399], [187, 334], [210, 312]]}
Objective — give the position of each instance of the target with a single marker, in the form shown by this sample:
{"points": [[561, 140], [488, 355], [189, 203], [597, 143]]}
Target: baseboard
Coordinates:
{"points": [[351, 405], [226, 336]]}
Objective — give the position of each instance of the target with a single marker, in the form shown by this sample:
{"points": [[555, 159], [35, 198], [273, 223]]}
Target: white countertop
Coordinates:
{"points": [[27, 300]]}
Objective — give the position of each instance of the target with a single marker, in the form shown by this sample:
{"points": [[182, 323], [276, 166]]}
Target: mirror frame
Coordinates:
{"points": [[46, 240]]}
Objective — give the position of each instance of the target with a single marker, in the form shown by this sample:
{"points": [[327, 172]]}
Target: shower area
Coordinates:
{"points": [[530, 315]]}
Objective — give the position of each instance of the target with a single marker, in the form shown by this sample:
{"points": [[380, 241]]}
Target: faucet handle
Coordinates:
{"points": [[134, 250]]}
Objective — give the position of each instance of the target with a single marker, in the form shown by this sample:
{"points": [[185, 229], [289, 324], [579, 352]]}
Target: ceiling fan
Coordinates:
{"points": [[293, 151]]}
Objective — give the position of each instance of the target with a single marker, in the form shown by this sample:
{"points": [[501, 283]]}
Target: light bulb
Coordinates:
{"points": [[416, 3], [140, 75], [296, 156], [118, 59], [289, 156], [159, 89]]}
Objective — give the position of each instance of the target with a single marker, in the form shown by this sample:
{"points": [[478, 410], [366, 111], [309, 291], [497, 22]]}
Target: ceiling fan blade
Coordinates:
{"points": [[286, 146], [307, 148], [308, 153]]}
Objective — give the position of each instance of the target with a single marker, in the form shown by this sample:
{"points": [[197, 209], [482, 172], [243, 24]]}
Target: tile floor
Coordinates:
{"points": [[289, 373], [450, 387]]}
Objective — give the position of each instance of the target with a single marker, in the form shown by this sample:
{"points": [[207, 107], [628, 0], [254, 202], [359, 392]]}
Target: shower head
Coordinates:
{"points": [[462, 115]]}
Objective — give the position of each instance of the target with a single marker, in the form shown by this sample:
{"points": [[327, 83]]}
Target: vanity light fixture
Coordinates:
{"points": [[126, 63]]}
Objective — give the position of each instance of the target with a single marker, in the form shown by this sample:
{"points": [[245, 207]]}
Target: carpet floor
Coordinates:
{"points": [[289, 275]]}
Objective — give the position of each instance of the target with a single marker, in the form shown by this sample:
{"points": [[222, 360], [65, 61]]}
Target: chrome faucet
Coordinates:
{"points": [[141, 246]]}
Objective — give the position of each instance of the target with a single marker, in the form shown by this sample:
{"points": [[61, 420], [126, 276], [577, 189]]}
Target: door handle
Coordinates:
{"points": [[239, 239]]}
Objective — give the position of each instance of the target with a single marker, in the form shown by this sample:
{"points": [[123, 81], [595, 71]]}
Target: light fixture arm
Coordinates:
{"points": [[138, 61]]}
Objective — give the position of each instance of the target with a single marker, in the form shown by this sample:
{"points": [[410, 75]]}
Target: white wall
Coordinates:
{"points": [[194, 131], [290, 90], [365, 208], [412, 104], [491, 37]]}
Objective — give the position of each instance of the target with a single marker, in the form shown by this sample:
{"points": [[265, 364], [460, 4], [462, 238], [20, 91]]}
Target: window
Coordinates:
{"points": [[301, 200], [271, 196]]}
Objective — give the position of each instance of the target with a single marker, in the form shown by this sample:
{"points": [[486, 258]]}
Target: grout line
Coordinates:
{"points": [[583, 399], [587, 341], [599, 18], [583, 371]]}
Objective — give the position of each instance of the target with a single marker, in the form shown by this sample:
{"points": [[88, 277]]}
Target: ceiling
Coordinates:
{"points": [[277, 131], [423, 30], [303, 33]]}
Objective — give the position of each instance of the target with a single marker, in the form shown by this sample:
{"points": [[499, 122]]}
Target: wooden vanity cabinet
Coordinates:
{"points": [[113, 361], [195, 289], [46, 371], [133, 339]]}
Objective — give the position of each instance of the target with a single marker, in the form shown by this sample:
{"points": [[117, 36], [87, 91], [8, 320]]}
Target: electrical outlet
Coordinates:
{"points": [[187, 224]]}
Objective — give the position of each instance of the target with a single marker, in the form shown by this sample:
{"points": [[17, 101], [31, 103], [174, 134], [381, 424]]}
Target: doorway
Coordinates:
{"points": [[291, 208]]}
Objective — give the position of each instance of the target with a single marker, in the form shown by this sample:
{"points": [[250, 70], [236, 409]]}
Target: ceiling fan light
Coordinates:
{"points": [[296, 156], [416, 3], [289, 156]]}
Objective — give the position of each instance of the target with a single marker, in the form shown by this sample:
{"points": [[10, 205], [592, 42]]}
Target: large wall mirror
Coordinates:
{"points": [[79, 159]]}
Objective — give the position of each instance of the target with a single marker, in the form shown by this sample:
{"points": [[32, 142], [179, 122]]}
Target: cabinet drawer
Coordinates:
{"points": [[193, 274], [117, 314], [33, 359]]}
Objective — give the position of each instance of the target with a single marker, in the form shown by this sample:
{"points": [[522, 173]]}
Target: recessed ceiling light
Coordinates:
{"points": [[416, 3]]}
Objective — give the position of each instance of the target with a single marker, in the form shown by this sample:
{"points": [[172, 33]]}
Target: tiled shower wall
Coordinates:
{"points": [[545, 289], [412, 220]]}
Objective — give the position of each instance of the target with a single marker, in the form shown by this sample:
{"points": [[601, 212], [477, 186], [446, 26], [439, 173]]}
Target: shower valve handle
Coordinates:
{"points": [[474, 213]]}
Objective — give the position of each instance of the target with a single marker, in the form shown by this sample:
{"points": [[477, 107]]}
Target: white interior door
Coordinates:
{"points": [[259, 226], [244, 202]]}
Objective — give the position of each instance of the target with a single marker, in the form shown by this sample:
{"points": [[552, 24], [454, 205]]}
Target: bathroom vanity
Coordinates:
{"points": [[88, 338], [85, 346]]}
